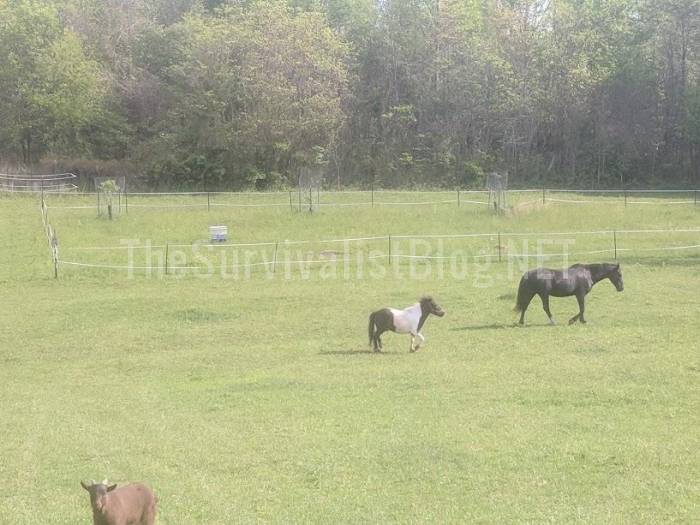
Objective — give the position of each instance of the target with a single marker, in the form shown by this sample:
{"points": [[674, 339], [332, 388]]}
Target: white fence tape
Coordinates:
{"points": [[283, 243]]}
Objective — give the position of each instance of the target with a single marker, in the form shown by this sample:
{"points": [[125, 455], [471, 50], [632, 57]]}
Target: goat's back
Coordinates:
{"points": [[133, 504]]}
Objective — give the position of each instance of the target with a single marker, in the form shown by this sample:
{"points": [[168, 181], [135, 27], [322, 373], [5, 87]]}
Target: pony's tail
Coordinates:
{"points": [[371, 328], [519, 302]]}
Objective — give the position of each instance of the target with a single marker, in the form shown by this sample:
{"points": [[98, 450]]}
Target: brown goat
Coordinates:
{"points": [[133, 504]]}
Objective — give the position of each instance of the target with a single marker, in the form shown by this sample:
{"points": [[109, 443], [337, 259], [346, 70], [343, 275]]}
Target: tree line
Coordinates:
{"points": [[397, 93]]}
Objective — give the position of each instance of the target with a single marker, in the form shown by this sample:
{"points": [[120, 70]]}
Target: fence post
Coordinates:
{"points": [[544, 195], [274, 257], [389, 249], [126, 198], [615, 243], [499, 246], [208, 202], [167, 246], [299, 199], [97, 190], [373, 195], [291, 207], [54, 253], [458, 204], [625, 192], [696, 197]]}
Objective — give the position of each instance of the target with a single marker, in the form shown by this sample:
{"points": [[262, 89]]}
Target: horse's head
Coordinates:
{"points": [[615, 277], [428, 305]]}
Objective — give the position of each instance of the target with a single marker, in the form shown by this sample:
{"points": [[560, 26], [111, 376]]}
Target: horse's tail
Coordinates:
{"points": [[371, 327], [520, 301]]}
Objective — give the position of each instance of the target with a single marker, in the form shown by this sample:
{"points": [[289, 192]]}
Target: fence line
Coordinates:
{"points": [[288, 242], [164, 267], [548, 195], [275, 262]]}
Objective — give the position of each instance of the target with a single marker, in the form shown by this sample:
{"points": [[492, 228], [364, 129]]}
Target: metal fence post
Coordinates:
{"points": [[615, 243], [499, 246], [167, 246], [274, 257], [208, 202]]}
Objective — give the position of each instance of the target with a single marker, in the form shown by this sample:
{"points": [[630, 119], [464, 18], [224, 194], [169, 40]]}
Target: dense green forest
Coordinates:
{"points": [[400, 93]]}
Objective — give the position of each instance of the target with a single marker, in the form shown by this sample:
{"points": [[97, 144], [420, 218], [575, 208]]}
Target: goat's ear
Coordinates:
{"points": [[85, 486], [111, 487]]}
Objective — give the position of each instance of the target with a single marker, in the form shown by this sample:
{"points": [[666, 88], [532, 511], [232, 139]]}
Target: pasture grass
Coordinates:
{"points": [[257, 400]]}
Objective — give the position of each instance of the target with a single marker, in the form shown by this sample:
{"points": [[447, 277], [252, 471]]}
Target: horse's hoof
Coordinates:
{"points": [[571, 321]]}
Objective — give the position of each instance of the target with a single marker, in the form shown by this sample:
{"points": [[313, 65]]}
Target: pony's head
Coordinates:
{"points": [[615, 277], [429, 306]]}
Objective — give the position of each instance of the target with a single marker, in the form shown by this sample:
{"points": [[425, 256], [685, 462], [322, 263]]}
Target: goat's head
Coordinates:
{"points": [[97, 492]]}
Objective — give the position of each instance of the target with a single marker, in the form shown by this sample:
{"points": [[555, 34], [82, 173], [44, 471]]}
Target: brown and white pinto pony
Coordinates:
{"points": [[407, 321]]}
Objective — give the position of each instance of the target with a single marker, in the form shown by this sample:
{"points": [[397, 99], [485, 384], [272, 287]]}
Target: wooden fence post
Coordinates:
{"points": [[615, 243]]}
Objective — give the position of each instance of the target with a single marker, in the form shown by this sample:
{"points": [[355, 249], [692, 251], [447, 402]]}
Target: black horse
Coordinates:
{"points": [[576, 280]]}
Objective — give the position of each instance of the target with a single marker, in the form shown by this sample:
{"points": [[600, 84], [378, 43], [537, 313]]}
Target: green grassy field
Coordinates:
{"points": [[255, 399]]}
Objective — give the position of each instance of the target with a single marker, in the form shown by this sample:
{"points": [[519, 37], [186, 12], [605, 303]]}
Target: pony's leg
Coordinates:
{"points": [[422, 340], [376, 342], [545, 305], [412, 349]]}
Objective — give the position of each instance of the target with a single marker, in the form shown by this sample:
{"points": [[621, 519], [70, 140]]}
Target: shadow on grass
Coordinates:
{"points": [[355, 352], [492, 326]]}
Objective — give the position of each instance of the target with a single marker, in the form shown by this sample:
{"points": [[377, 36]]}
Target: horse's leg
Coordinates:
{"points": [[545, 305], [579, 315], [411, 349], [581, 306], [522, 312]]}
